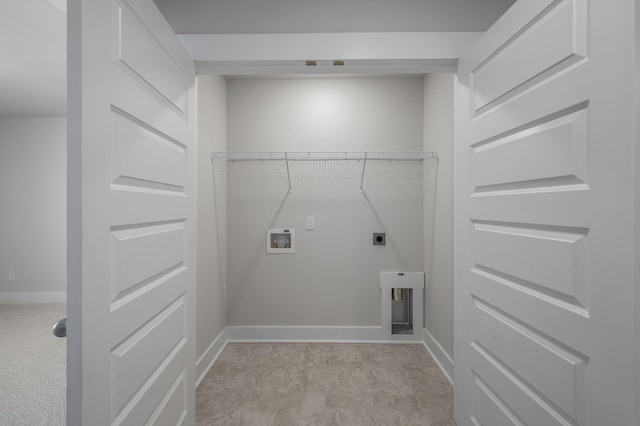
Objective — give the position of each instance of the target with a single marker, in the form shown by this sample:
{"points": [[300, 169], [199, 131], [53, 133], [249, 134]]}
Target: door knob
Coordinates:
{"points": [[60, 328]]}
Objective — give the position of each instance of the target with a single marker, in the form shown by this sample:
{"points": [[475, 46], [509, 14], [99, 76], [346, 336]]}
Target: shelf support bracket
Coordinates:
{"points": [[364, 165], [286, 162]]}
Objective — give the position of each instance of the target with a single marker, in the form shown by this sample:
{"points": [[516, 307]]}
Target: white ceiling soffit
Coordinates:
{"points": [[33, 37], [362, 53], [260, 37], [327, 69], [330, 16]]}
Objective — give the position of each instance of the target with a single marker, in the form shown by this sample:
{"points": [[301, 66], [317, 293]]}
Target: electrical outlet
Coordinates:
{"points": [[311, 223], [12, 275]]}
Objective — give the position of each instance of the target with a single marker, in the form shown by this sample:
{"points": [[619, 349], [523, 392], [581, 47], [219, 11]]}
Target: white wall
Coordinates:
{"points": [[438, 217], [211, 290], [332, 114], [33, 209], [332, 279]]}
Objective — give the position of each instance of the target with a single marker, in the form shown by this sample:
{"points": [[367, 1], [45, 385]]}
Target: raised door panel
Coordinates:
{"points": [[552, 42]]}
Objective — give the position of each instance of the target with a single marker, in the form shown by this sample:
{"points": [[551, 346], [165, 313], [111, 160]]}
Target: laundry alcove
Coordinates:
{"points": [[348, 152]]}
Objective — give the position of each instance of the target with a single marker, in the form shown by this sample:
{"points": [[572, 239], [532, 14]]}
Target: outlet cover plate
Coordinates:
{"points": [[379, 239]]}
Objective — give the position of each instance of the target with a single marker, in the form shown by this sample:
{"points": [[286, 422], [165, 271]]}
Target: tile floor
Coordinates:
{"points": [[324, 384]]}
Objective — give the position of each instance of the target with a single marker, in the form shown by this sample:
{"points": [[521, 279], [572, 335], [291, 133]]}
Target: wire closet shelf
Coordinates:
{"points": [[324, 156]]}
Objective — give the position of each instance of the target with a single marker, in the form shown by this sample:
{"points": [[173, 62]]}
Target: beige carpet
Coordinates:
{"points": [[32, 365], [324, 384]]}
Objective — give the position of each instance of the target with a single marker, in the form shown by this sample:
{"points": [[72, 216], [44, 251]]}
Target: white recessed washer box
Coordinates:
{"points": [[281, 241]]}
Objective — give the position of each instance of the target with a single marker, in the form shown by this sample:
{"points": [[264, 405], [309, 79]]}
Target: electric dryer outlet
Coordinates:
{"points": [[379, 239]]}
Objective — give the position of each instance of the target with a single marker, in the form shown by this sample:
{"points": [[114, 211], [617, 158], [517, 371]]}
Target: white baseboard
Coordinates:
{"points": [[208, 358], [304, 334], [439, 355], [33, 297]]}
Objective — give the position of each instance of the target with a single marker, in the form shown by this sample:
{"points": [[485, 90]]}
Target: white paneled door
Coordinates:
{"points": [[545, 222], [131, 217]]}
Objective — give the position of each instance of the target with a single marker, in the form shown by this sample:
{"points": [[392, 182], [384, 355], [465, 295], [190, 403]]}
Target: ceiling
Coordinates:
{"points": [[329, 16], [33, 33]]}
